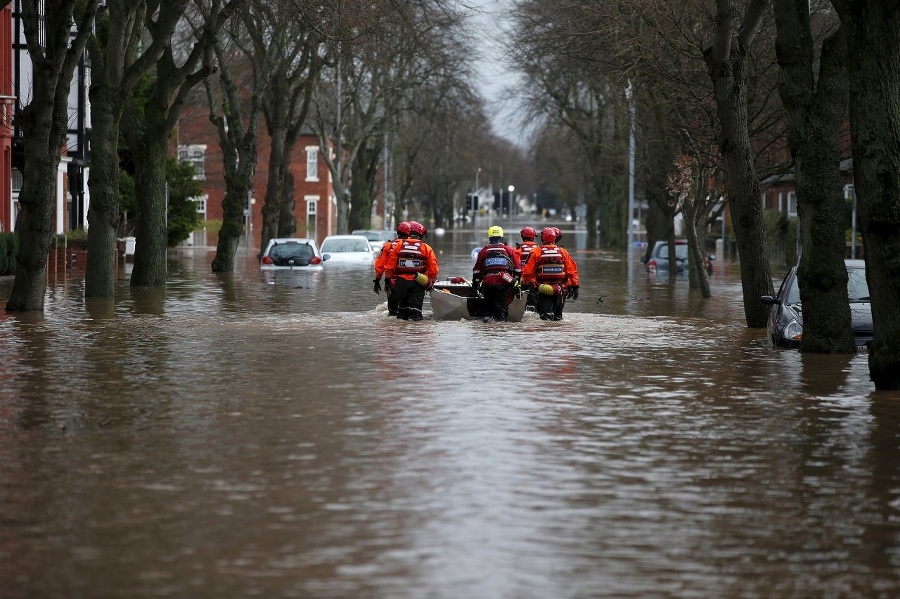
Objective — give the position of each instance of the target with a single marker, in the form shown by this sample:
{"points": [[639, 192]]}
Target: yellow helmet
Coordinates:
{"points": [[495, 231]]}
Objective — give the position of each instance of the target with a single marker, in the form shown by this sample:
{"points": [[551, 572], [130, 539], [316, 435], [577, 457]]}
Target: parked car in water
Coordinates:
{"points": [[785, 326], [659, 257], [291, 253], [376, 238], [347, 249]]}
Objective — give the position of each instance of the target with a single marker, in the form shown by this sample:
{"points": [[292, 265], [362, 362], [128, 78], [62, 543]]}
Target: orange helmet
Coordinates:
{"points": [[548, 235], [528, 234]]}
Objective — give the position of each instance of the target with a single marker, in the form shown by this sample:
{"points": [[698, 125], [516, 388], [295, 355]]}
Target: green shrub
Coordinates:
{"points": [[9, 249]]}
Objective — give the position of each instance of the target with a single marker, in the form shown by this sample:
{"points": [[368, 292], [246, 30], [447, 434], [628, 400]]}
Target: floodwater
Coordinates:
{"points": [[277, 435]]}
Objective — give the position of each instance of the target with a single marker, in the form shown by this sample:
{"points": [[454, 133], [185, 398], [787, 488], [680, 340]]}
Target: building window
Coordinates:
{"points": [[196, 155], [201, 205], [312, 203], [791, 206], [312, 163]]}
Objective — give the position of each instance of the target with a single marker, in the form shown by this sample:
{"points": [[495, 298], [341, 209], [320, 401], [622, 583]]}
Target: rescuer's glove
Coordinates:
{"points": [[517, 288], [377, 287], [421, 279], [572, 294]]}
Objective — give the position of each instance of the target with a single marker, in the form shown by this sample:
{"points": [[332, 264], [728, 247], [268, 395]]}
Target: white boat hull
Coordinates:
{"points": [[458, 301]]}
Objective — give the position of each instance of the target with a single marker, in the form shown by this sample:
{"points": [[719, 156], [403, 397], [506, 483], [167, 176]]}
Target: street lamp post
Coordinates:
{"points": [[511, 189], [629, 93]]}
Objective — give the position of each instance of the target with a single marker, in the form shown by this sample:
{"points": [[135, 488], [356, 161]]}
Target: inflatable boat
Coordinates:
{"points": [[456, 299]]}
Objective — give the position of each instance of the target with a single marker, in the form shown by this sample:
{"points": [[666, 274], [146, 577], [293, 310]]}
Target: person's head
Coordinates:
{"points": [[528, 234], [495, 234], [417, 230], [548, 235], [403, 230], [558, 232]]}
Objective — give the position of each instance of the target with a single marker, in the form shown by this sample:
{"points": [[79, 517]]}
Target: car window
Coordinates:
{"points": [[345, 245], [791, 294], [290, 251], [857, 286], [681, 251]]}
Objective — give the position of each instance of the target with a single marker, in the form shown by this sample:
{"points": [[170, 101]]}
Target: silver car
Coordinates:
{"points": [[659, 257]]}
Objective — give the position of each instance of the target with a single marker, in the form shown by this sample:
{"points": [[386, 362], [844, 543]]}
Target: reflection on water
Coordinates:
{"points": [[276, 434]]}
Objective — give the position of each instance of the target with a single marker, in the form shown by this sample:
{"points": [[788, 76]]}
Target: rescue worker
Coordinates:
{"points": [[381, 263], [553, 273], [497, 274], [523, 251], [414, 268]]}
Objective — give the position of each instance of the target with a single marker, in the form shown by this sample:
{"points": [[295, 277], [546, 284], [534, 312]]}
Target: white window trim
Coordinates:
{"points": [[310, 150]]}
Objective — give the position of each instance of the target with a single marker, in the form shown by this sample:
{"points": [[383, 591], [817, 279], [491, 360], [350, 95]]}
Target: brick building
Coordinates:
{"points": [[315, 211]]}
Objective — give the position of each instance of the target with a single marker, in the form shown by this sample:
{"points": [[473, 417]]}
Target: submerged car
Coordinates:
{"points": [[376, 238], [291, 253], [785, 326], [347, 249], [659, 257]]}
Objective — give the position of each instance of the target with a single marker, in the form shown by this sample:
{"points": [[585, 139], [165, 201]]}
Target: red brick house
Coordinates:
{"points": [[315, 211]]}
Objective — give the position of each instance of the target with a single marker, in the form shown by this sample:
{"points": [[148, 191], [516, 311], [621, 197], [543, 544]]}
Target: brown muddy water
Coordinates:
{"points": [[277, 435]]}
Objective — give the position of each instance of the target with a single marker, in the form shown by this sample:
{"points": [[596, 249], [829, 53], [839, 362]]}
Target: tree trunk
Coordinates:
{"points": [[150, 197], [816, 107], [726, 64], [44, 122], [874, 66], [698, 278], [103, 213], [271, 211], [232, 226], [36, 201], [287, 221]]}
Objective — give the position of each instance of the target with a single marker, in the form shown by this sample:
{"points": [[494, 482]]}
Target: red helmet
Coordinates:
{"points": [[403, 228], [558, 233], [548, 235], [417, 229], [528, 234]]}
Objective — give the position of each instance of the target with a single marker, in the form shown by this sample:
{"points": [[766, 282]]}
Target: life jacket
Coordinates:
{"points": [[410, 258], [551, 266], [496, 259], [525, 252]]}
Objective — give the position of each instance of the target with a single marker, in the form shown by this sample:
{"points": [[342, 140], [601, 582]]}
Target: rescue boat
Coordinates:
{"points": [[456, 299]]}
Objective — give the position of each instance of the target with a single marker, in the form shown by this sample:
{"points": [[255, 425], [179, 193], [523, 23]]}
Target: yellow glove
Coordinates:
{"points": [[421, 279]]}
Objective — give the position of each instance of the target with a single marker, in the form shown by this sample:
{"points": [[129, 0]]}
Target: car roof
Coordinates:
{"points": [[280, 240], [346, 237]]}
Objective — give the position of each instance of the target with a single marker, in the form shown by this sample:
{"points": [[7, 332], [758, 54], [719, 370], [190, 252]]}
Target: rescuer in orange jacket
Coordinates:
{"points": [[551, 270], [414, 268], [497, 273], [381, 264], [523, 251]]}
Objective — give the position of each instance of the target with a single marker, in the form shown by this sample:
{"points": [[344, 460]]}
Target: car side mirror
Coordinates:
{"points": [[768, 300], [711, 257], [326, 256]]}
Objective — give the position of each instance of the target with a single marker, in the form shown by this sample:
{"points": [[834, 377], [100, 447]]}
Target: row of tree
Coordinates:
{"points": [[383, 83], [721, 94]]}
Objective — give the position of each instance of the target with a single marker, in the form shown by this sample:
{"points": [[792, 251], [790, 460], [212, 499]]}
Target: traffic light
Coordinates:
{"points": [[471, 201]]}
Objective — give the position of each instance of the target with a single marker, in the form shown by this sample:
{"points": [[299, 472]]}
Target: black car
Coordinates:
{"points": [[785, 326]]}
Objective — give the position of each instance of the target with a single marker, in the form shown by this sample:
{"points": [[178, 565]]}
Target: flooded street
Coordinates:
{"points": [[277, 435]]}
